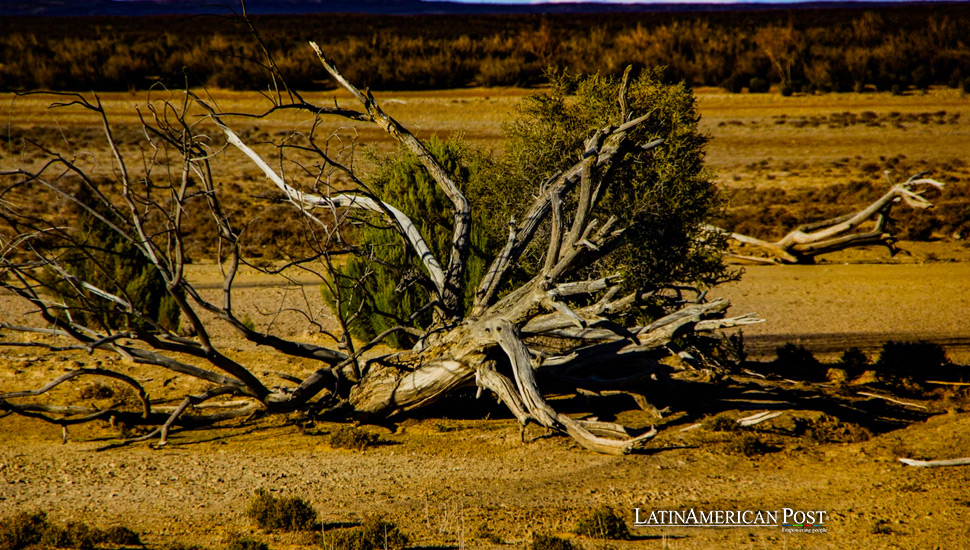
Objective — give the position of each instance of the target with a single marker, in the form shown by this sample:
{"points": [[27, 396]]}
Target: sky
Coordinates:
{"points": [[526, 2]]}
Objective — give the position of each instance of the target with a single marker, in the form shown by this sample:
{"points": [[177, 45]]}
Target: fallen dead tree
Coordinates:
{"points": [[571, 316], [866, 227]]}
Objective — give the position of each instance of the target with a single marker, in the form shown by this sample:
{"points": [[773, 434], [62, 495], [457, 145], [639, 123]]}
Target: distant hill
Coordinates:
{"points": [[388, 7]]}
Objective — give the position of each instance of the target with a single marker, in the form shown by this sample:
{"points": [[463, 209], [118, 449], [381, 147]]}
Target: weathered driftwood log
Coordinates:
{"points": [[806, 242]]}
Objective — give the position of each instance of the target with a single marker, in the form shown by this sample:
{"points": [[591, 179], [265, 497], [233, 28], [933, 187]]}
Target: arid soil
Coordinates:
{"points": [[443, 477]]}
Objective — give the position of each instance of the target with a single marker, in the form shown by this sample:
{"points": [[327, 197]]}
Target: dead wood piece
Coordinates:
{"points": [[810, 240], [893, 400], [759, 418], [935, 463]]}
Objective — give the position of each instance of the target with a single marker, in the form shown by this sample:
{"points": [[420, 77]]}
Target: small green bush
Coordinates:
{"points": [[22, 530], [758, 86], [751, 445], [373, 534], [828, 429], [854, 359], [281, 513], [98, 255], [551, 542], [911, 357], [73, 535], [485, 533], [795, 356], [353, 438], [34, 530], [722, 423], [387, 271], [603, 523], [798, 362], [882, 527]]}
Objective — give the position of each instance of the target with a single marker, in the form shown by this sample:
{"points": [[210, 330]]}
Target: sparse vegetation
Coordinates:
{"points": [[722, 423], [541, 541], [484, 532], [274, 513], [854, 360], [603, 523], [373, 534], [892, 49], [903, 358], [239, 542], [882, 527], [829, 429], [798, 361], [353, 438], [751, 445], [34, 530]]}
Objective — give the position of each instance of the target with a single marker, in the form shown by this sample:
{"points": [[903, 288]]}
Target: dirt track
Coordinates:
{"points": [[831, 307]]}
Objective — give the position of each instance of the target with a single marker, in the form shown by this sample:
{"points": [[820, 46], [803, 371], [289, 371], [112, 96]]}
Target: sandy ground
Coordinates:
{"points": [[831, 307], [441, 480]]}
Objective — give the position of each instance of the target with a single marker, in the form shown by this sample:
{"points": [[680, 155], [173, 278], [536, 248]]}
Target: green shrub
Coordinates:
{"points": [[798, 361], [281, 513], [751, 445], [373, 534], [921, 357], [22, 530], [72, 535], [795, 355], [386, 292], [722, 423], [882, 527], [34, 530], [758, 86], [484, 532], [829, 429], [603, 523], [353, 438], [551, 542], [664, 196], [122, 536], [98, 255], [854, 359]]}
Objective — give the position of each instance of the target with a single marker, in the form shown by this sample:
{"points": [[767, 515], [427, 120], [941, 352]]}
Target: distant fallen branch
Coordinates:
{"points": [[935, 463], [814, 239], [892, 400]]}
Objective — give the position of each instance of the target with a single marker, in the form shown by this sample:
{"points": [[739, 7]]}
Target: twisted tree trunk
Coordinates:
{"points": [[495, 345]]}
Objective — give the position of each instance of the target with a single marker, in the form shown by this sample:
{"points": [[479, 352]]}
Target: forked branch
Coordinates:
{"points": [[811, 240]]}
